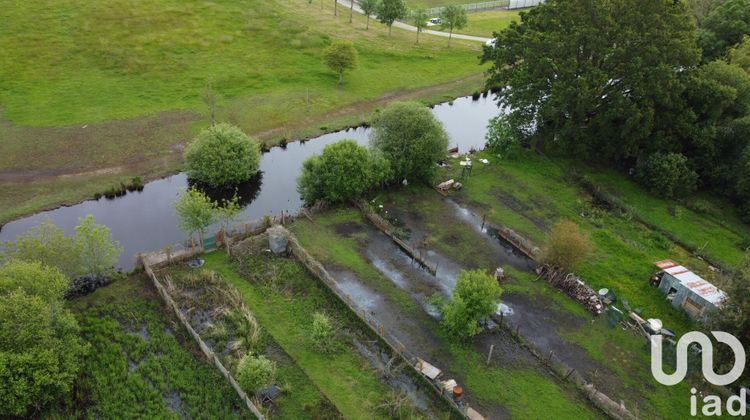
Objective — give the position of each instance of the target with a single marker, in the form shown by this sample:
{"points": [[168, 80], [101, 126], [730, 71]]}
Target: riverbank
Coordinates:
{"points": [[98, 122]]}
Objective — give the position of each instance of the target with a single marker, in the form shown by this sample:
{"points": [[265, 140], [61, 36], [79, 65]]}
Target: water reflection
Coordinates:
{"points": [[245, 192]]}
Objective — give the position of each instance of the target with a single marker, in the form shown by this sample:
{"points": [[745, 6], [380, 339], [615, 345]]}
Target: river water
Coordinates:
{"points": [[145, 221]]}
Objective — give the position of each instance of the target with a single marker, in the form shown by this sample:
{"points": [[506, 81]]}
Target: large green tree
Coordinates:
{"points": [[724, 27], [40, 347], [343, 172], [389, 11], [46, 243], [98, 252], [222, 155], [410, 138], [597, 79], [475, 296], [740, 54]]}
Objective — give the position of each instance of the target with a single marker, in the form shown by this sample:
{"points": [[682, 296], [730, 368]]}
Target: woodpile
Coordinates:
{"points": [[574, 287]]}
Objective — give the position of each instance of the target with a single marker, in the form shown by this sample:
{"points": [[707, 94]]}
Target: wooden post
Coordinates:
{"points": [[489, 356], [483, 218]]}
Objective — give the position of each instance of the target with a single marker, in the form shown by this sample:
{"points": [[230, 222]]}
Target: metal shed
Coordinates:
{"points": [[687, 290]]}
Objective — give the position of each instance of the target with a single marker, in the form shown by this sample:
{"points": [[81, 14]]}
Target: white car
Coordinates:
{"points": [[434, 22], [491, 42]]}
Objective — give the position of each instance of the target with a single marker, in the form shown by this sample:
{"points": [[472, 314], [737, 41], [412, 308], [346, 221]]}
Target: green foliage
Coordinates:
{"points": [[91, 251], [39, 344], [734, 316], [369, 7], [701, 8], [227, 211], [667, 174], [608, 89], [453, 17], [341, 56], [411, 139], [475, 296], [724, 27], [389, 11], [195, 212], [222, 155], [567, 247], [419, 19], [97, 250], [323, 333], [740, 54], [255, 372], [343, 172], [503, 140], [47, 244]]}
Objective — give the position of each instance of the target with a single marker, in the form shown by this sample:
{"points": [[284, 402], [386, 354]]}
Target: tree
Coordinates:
{"points": [[340, 56], [503, 139], [410, 138], [343, 172], [701, 8], [453, 17], [724, 27], [419, 19], [667, 174], [390, 11], [222, 155], [475, 296], [40, 347], [195, 213], [597, 79], [734, 315], [566, 247], [739, 55], [98, 252], [47, 244], [351, 11], [369, 8], [255, 372], [227, 211]]}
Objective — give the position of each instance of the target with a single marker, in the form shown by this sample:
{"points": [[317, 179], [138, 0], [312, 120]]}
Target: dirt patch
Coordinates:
{"points": [[348, 229], [519, 207]]}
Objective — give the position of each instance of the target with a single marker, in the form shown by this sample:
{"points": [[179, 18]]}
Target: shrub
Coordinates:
{"points": [[667, 174], [322, 333], [566, 247], [475, 296], [343, 172], [410, 138], [222, 155], [255, 372], [40, 347]]}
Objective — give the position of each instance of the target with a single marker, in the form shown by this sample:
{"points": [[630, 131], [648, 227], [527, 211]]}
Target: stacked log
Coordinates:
{"points": [[574, 287]]}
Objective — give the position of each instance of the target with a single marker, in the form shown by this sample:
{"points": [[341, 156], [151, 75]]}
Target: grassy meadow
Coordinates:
{"points": [[116, 89]]}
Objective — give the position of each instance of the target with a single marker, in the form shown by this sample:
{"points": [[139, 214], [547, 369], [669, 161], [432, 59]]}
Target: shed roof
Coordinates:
{"points": [[693, 282]]}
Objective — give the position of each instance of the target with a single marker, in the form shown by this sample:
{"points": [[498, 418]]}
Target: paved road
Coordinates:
{"points": [[405, 26]]}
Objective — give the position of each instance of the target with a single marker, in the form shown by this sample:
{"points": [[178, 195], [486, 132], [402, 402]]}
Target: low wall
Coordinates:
{"points": [[203, 346]]}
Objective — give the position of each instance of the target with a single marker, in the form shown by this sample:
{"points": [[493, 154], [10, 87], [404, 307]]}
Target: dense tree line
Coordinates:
{"points": [[636, 83]]}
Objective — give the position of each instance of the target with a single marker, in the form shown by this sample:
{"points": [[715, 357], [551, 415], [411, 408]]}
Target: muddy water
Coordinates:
{"points": [[144, 221]]}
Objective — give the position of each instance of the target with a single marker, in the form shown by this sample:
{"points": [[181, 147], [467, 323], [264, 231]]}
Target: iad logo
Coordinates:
{"points": [[712, 403]]}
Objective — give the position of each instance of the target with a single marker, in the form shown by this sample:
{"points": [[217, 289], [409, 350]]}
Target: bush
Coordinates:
{"points": [[566, 247], [340, 56], [475, 296], [322, 333], [255, 373], [343, 172], [222, 155], [667, 174], [411, 139], [40, 347], [502, 138]]}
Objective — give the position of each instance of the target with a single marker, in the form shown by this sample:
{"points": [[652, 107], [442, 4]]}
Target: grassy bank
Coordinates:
{"points": [[141, 362], [485, 23], [116, 90]]}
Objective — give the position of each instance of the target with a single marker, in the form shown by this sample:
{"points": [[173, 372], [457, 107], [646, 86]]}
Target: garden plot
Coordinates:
{"points": [[217, 313], [142, 363], [351, 366], [615, 361], [513, 384]]}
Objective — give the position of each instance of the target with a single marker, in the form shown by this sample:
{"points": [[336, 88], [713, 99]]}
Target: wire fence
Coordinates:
{"points": [[490, 5]]}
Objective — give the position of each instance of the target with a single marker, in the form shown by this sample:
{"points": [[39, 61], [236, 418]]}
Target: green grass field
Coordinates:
{"points": [[141, 363], [485, 23], [89, 89]]}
